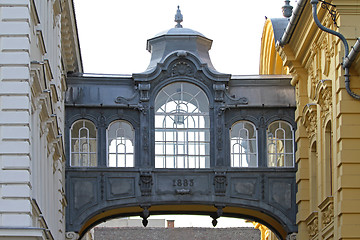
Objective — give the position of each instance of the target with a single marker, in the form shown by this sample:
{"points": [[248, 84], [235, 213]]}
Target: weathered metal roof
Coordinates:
{"points": [[279, 26]]}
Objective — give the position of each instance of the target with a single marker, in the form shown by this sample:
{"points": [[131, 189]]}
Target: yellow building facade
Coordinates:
{"points": [[328, 118]]}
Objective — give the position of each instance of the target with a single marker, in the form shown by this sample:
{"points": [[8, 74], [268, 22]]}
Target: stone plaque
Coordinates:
{"points": [[182, 184], [280, 193], [244, 187], [120, 188]]}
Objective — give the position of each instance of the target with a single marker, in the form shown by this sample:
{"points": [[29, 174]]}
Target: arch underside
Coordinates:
{"points": [[265, 196], [209, 210]]}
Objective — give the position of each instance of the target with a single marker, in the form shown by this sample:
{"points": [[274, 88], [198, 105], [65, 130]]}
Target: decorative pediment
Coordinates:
{"points": [[181, 63]]}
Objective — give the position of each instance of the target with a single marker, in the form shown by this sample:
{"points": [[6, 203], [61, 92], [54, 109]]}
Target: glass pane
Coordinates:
{"points": [[272, 161], [92, 145], [288, 146], [84, 159], [289, 160], [184, 108], [129, 160], [112, 160], [75, 160], [159, 162], [75, 145], [93, 160], [83, 133], [253, 160], [279, 134], [170, 162]]}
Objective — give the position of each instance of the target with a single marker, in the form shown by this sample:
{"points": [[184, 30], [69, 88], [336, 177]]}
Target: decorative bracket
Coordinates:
{"points": [[145, 183], [326, 6], [144, 91], [220, 183], [219, 91]]}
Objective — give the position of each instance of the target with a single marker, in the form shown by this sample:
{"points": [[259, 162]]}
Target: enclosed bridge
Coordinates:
{"points": [[180, 138]]}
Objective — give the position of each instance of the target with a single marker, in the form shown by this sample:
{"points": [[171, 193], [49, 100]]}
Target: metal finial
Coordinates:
{"points": [[178, 18], [287, 9]]}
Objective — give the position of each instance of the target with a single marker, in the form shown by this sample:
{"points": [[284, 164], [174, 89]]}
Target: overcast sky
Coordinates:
{"points": [[113, 33]]}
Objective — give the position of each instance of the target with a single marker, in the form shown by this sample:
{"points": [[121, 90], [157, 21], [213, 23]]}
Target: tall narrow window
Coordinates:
{"points": [[121, 142], [313, 178], [182, 127], [280, 144], [243, 150], [328, 161], [83, 144]]}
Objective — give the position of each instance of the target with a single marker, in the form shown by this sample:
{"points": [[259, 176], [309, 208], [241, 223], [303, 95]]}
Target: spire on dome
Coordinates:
{"points": [[178, 18]]}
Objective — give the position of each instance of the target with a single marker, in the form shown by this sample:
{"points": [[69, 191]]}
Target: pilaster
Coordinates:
{"points": [[15, 184]]}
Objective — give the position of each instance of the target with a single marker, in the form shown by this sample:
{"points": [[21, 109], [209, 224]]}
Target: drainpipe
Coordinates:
{"points": [[349, 58]]}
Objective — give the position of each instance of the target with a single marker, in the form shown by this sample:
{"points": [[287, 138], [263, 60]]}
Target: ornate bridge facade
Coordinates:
{"points": [[180, 138]]}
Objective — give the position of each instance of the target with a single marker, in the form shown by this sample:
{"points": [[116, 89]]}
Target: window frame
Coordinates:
{"points": [[248, 139], [283, 141], [116, 153], [202, 109], [89, 153]]}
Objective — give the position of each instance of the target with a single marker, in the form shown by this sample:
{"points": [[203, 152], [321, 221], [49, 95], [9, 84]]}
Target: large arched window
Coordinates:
{"points": [[243, 143], [121, 136], [280, 144], [83, 144], [182, 135]]}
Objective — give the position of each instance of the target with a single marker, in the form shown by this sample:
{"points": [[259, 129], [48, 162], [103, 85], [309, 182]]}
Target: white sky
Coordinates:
{"points": [[113, 33]]}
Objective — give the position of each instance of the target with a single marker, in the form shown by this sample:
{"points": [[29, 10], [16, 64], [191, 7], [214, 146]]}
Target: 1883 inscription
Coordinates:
{"points": [[183, 182]]}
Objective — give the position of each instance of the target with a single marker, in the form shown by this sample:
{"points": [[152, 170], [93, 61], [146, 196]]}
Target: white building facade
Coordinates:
{"points": [[38, 46]]}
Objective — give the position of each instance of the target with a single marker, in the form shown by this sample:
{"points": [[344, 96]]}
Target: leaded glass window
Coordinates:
{"points": [[243, 143], [182, 127], [121, 143], [83, 144], [280, 144]]}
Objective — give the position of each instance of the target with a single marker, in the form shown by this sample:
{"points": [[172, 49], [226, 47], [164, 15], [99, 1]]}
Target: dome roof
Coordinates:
{"points": [[179, 31], [178, 39]]}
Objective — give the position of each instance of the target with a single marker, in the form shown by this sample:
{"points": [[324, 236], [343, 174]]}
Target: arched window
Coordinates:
{"points": [[328, 163], [182, 127], [280, 144], [313, 178], [243, 143], [83, 144], [121, 136]]}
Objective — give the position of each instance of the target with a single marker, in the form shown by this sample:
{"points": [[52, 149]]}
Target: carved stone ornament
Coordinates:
{"points": [[71, 235], [327, 211], [182, 68], [328, 214], [309, 119], [220, 183], [291, 236], [219, 141], [324, 97], [314, 70], [219, 92], [144, 91], [146, 183], [312, 224], [313, 227]]}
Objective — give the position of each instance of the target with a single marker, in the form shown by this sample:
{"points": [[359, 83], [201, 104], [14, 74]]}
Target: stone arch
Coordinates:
{"points": [[274, 222]]}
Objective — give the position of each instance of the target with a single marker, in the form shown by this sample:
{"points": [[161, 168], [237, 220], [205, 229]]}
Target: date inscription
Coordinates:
{"points": [[183, 182]]}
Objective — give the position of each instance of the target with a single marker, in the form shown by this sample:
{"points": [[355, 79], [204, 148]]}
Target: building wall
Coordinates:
{"points": [[328, 124], [32, 85]]}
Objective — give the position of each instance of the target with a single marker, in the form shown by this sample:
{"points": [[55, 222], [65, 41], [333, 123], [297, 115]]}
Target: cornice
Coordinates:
{"points": [[70, 40]]}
